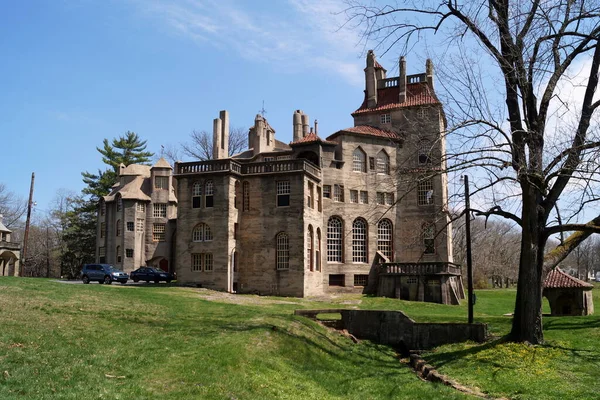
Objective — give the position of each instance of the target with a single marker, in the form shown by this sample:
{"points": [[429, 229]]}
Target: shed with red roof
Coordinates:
{"points": [[568, 295]]}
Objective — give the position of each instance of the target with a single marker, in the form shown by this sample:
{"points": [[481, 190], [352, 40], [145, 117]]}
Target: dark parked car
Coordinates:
{"points": [[103, 273], [151, 274]]}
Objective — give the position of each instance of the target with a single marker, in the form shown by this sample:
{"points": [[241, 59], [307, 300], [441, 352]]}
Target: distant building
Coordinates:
{"points": [[362, 210], [136, 221], [10, 252], [568, 295]]}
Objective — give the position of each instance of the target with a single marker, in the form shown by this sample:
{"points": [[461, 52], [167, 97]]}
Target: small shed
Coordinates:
{"points": [[568, 295]]}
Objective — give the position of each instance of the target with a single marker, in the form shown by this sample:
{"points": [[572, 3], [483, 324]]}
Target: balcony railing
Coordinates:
{"points": [[420, 268], [4, 245], [253, 168]]}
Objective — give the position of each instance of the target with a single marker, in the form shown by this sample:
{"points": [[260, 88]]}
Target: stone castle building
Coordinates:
{"points": [[362, 210], [10, 252]]}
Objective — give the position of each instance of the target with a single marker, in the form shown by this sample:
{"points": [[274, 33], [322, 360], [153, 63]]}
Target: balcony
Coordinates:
{"points": [[252, 168], [420, 268], [4, 245]]}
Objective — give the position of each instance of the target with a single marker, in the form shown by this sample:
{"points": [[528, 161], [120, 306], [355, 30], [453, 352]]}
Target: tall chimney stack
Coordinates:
{"points": [[371, 80], [217, 131], [305, 124], [429, 72], [297, 125], [224, 145], [402, 80]]}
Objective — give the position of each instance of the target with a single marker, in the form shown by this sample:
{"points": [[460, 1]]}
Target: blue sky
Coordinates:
{"points": [[76, 72]]}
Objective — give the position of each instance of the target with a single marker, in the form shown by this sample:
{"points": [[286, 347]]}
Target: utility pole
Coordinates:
{"points": [[47, 252], [29, 205], [471, 297]]}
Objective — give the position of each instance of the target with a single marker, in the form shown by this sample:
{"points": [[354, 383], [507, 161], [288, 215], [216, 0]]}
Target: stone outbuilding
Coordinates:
{"points": [[10, 253], [568, 295]]}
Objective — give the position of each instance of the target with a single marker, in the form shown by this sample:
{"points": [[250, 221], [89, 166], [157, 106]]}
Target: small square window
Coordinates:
{"points": [[159, 210], [161, 182], [140, 224], [385, 118], [380, 198], [130, 226], [361, 280], [389, 199], [129, 253], [140, 207], [337, 280], [158, 232], [353, 196]]}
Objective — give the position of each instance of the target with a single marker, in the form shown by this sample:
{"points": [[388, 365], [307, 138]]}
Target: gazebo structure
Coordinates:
{"points": [[568, 295], [10, 253]]}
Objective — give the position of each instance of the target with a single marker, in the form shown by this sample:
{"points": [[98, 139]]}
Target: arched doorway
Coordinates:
{"points": [[8, 263]]}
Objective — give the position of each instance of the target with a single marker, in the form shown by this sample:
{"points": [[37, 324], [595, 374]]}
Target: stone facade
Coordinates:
{"points": [[10, 252], [320, 215], [136, 221]]}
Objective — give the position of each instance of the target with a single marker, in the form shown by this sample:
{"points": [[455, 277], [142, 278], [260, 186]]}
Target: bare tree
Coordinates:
{"points": [[12, 207], [200, 145], [509, 68]]}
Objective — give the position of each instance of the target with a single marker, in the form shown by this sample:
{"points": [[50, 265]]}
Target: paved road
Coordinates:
{"points": [[129, 283]]}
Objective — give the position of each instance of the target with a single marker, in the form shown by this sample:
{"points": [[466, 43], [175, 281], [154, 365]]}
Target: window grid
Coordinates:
{"points": [[359, 161], [359, 241], [389, 199], [102, 229], [140, 207], [318, 251], [338, 193], [429, 238], [380, 198], [196, 195], [385, 118], [335, 240], [158, 232], [161, 182], [159, 210], [283, 193], [311, 195], [319, 199], [424, 152], [283, 251], [129, 253], [130, 226], [118, 227], [119, 203], [309, 248], [209, 191], [246, 196], [197, 262], [364, 197], [202, 233], [361, 280], [384, 238], [327, 191], [383, 163], [140, 225], [208, 262], [101, 251], [353, 196], [425, 192]]}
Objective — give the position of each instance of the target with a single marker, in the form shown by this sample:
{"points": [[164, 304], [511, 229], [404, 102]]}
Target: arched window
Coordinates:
{"points": [[428, 238], [283, 251], [246, 196], [385, 238], [359, 241], [424, 152], [359, 160], [118, 227], [202, 233], [208, 194], [309, 248], [318, 251], [196, 195], [335, 240], [383, 163]]}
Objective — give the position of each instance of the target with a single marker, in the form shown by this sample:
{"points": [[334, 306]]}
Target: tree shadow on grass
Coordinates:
{"points": [[571, 323]]}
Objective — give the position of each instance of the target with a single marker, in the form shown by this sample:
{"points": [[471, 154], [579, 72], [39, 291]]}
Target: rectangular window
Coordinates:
{"points": [[361, 280], [129, 253], [102, 229], [197, 262], [389, 199], [140, 224], [209, 194], [429, 239], [338, 193], [283, 193], [425, 192], [102, 208], [158, 232], [159, 210], [102, 254], [140, 207], [364, 197], [235, 230], [371, 163], [353, 196], [269, 159], [130, 226], [161, 182], [208, 262], [327, 191], [337, 280], [246, 196], [380, 198], [311, 195], [319, 198], [385, 118]]}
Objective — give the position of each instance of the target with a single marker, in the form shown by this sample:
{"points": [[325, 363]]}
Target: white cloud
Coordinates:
{"points": [[294, 41]]}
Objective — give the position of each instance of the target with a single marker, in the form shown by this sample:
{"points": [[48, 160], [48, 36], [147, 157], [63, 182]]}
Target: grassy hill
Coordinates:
{"points": [[140, 342]]}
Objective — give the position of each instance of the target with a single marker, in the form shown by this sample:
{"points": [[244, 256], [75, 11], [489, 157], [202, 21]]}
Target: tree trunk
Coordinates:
{"points": [[527, 320]]}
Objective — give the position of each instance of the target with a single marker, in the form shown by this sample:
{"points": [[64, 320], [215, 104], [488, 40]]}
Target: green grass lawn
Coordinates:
{"points": [[137, 342]]}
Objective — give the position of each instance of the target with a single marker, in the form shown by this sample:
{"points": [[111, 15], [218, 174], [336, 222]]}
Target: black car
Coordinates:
{"points": [[150, 274]]}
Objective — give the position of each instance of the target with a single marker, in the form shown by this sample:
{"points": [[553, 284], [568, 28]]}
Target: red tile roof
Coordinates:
{"points": [[311, 138], [558, 279], [417, 94], [370, 131]]}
